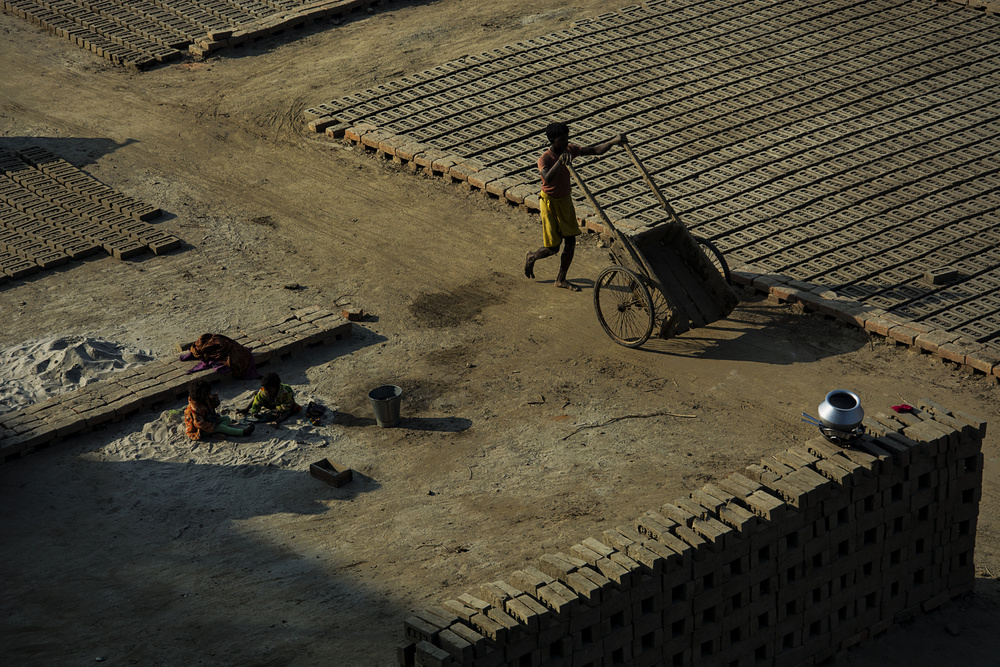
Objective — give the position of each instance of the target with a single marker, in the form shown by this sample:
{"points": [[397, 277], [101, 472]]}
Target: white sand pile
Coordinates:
{"points": [[36, 370]]}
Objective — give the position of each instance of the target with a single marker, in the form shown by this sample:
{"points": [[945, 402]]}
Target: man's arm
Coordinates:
{"points": [[601, 149], [556, 166]]}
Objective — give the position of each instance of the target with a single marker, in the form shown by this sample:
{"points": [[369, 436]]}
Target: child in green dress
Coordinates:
{"points": [[274, 397]]}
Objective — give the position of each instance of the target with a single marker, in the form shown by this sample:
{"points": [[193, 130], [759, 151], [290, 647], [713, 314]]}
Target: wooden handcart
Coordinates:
{"points": [[664, 279]]}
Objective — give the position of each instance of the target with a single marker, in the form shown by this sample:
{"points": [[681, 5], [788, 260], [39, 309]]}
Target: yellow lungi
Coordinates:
{"points": [[558, 219]]}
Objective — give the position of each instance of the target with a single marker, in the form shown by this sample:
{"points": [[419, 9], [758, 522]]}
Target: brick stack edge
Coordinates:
{"points": [[124, 393], [977, 357], [807, 553]]}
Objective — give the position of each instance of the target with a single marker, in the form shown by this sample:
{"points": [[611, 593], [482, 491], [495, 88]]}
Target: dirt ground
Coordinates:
{"points": [[525, 429]]}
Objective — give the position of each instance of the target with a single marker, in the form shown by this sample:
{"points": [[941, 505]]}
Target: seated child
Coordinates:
{"points": [[200, 417], [275, 397]]}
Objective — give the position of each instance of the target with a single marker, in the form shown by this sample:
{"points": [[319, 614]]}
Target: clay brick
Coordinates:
{"points": [[598, 547], [933, 340], [443, 164], [766, 506], [676, 545], [717, 494], [555, 566], [860, 464], [358, 130], [584, 587], [418, 630], [903, 334], [821, 448], [460, 172], [738, 518], [645, 557], [653, 525], [677, 514], [958, 350], [337, 131], [761, 475], [985, 359], [558, 598], [320, 124], [478, 641], [462, 611], [429, 655], [791, 492], [739, 485], [691, 506], [490, 628], [526, 616], [978, 424], [530, 580], [480, 179], [458, 648], [614, 572], [588, 555], [714, 532], [834, 472]]}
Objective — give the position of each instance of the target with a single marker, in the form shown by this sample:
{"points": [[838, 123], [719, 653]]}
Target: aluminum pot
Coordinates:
{"points": [[841, 410]]}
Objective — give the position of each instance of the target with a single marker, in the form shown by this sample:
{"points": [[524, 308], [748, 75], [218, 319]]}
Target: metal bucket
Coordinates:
{"points": [[385, 401]]}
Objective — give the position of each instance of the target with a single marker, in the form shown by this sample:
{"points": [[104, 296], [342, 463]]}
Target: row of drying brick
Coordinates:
{"points": [[808, 553], [460, 100], [142, 34], [118, 46], [63, 415], [497, 81], [51, 213], [952, 346]]}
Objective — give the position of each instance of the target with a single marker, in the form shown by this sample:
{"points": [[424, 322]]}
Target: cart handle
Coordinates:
{"points": [[615, 232]]}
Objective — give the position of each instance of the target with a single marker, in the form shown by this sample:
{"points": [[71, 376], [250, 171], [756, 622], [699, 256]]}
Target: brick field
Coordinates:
{"points": [[852, 145]]}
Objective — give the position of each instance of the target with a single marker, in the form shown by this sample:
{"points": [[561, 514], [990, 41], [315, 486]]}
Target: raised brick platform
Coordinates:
{"points": [[808, 553], [852, 144], [51, 213], [125, 393]]}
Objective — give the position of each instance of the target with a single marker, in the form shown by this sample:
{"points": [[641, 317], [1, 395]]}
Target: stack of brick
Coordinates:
{"points": [[51, 212], [124, 393], [804, 554]]}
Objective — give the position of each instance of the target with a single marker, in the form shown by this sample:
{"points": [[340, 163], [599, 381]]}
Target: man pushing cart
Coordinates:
{"points": [[662, 278]]}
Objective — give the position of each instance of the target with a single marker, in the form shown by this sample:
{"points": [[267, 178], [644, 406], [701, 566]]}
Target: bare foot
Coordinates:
{"points": [[529, 265], [568, 285]]}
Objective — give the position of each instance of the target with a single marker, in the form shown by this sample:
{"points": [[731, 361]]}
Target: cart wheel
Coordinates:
{"points": [[623, 306], [715, 256]]}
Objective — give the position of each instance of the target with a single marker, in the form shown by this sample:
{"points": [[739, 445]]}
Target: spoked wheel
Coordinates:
{"points": [[715, 256], [623, 306]]}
